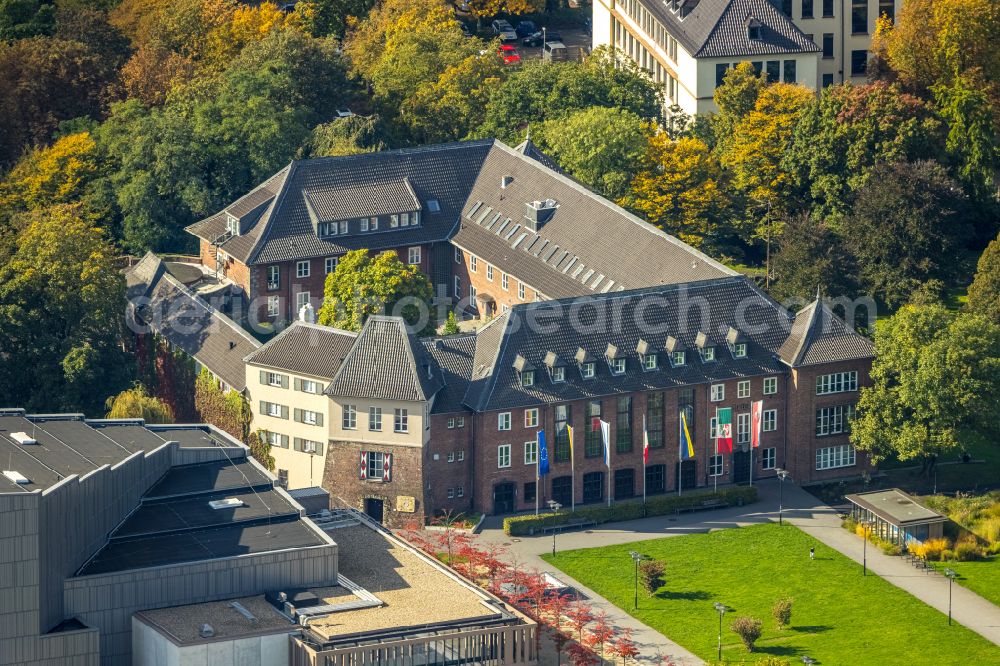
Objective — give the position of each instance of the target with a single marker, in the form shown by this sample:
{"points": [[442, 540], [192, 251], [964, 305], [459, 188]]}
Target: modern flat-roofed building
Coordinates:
{"points": [[130, 544], [688, 45]]}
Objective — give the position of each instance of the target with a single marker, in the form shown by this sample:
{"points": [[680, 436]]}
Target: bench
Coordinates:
{"points": [[707, 504], [571, 525]]}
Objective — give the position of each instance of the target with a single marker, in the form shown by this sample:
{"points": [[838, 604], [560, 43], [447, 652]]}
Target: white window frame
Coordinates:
{"points": [[461, 455], [273, 277], [301, 298], [770, 385], [375, 465], [520, 290], [489, 272], [460, 491], [715, 465], [273, 379], [413, 256], [769, 457], [273, 306], [459, 257], [558, 374], [531, 452], [310, 417], [344, 227], [833, 457], [504, 281], [617, 366], [401, 420], [718, 393], [528, 378], [330, 264], [743, 428], [458, 287], [374, 419], [273, 409], [837, 382], [349, 417], [588, 370], [503, 456], [302, 268], [769, 420], [473, 264], [740, 350], [743, 389], [309, 386], [649, 362], [531, 418], [503, 421], [678, 358]]}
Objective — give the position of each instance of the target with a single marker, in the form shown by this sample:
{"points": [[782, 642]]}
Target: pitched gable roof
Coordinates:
{"points": [[354, 186], [307, 349], [718, 28], [162, 302], [820, 336], [588, 246], [618, 322], [453, 355], [387, 362]]}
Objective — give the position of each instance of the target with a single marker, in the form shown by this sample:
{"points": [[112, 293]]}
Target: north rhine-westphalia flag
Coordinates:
{"points": [[724, 429]]}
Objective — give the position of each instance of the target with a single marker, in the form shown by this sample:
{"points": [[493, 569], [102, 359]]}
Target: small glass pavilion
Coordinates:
{"points": [[896, 516]]}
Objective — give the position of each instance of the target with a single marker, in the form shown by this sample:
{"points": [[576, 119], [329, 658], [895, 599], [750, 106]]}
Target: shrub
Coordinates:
{"points": [[748, 629], [850, 524], [890, 548], [947, 554], [989, 529], [652, 575], [932, 549], [782, 611], [968, 551], [657, 506]]}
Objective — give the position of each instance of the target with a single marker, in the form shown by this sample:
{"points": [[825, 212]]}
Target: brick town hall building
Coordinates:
{"points": [[592, 313]]}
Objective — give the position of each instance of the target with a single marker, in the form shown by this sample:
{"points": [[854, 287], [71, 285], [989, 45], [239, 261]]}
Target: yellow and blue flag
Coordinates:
{"points": [[686, 445]]}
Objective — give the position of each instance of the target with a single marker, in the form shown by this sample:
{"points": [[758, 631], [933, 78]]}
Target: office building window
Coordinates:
{"points": [[789, 71], [530, 452], [837, 382], [531, 418], [770, 385], [593, 486], [401, 421], [827, 80], [827, 8], [503, 421], [623, 425], [715, 465], [350, 417], [773, 71], [302, 269], [887, 8], [834, 420], [769, 420], [743, 428], [375, 419], [859, 62], [562, 418], [768, 457], [413, 256], [503, 455], [859, 17], [827, 44], [835, 456], [656, 479], [743, 389], [593, 446], [654, 419], [807, 9]]}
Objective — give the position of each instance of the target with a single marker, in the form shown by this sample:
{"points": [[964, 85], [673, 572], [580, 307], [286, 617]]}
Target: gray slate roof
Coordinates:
{"points": [[529, 149], [623, 320], [453, 356], [819, 336], [353, 200], [589, 246], [718, 28], [387, 362], [354, 185], [159, 300], [306, 349]]}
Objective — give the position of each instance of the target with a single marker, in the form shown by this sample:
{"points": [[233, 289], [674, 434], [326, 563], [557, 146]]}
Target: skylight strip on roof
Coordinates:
{"points": [[518, 241], [542, 246], [586, 276], [600, 277], [482, 216], [549, 252], [512, 231], [474, 209], [493, 221], [571, 263], [561, 258], [503, 225], [607, 286], [579, 269]]}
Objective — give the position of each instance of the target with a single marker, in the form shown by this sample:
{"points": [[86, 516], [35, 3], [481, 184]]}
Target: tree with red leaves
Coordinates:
{"points": [[600, 634], [449, 538], [579, 615], [581, 655], [623, 646]]}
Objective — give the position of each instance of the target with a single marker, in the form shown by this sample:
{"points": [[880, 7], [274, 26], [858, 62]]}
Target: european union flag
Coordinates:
{"points": [[543, 455]]}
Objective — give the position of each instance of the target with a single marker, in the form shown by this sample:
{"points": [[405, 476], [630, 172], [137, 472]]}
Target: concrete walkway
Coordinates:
{"points": [[800, 508]]}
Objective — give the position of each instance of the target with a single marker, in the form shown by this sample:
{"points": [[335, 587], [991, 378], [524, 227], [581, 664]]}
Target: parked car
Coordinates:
{"points": [[536, 39], [345, 113], [504, 30], [525, 28], [554, 51], [509, 54]]}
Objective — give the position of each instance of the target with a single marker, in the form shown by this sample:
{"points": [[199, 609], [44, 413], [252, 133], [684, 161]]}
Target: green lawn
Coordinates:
{"points": [[839, 617], [983, 578]]}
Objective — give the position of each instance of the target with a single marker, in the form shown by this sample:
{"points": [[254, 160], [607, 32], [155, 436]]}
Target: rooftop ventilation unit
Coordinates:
{"points": [[228, 503], [16, 477], [206, 631], [505, 181], [22, 438], [537, 213]]}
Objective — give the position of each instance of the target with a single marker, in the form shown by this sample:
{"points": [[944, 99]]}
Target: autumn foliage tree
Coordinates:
{"points": [[136, 403]]}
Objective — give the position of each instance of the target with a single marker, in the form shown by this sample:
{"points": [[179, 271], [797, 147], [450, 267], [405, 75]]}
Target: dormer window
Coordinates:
{"points": [[649, 362], [525, 371], [232, 225], [368, 224], [678, 358], [675, 352], [753, 30], [705, 348], [334, 228], [618, 366], [616, 362], [558, 375], [557, 369], [737, 343], [393, 221], [588, 370], [646, 355]]}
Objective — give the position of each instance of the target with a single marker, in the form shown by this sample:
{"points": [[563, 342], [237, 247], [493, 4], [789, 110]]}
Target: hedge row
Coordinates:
{"points": [[655, 506]]}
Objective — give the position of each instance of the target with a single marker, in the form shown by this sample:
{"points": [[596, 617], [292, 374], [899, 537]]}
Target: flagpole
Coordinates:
{"points": [[538, 477], [680, 460], [606, 436], [572, 469], [645, 454], [715, 477]]}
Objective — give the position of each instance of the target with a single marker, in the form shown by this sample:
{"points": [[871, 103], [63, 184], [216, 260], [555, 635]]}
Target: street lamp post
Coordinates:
{"points": [[782, 475], [555, 506], [636, 557], [807, 660], [721, 608], [864, 558], [952, 575]]}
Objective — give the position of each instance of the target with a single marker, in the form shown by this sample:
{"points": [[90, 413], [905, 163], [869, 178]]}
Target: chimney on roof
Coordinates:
{"points": [[307, 314], [505, 181], [232, 345], [537, 213]]}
